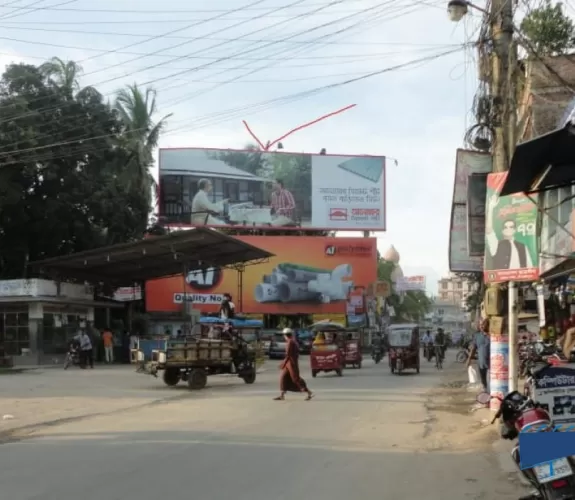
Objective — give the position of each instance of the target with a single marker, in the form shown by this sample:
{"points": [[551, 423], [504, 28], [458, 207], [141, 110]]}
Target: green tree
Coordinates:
{"points": [[412, 306], [549, 30], [140, 136], [61, 188]]}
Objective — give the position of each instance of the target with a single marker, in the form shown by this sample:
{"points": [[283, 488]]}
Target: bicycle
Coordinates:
{"points": [[439, 357]]}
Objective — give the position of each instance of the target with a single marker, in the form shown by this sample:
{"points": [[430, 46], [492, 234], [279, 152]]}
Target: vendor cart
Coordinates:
{"points": [[194, 359], [328, 355]]}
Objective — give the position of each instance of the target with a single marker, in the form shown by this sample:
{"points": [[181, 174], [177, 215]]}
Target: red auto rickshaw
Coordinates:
{"points": [[403, 341], [328, 351], [353, 354]]}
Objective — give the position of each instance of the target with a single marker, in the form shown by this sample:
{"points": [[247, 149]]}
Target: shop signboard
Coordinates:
{"points": [[307, 275], [510, 235], [467, 164], [555, 391], [410, 283], [217, 187]]}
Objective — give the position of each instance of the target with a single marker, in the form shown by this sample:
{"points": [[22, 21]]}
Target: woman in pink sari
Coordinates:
{"points": [[290, 380]]}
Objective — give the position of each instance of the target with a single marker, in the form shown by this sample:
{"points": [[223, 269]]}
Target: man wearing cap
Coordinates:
{"points": [[290, 380]]}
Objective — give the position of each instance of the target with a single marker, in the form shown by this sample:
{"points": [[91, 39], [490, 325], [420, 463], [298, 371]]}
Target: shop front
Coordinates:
{"points": [[39, 317]]}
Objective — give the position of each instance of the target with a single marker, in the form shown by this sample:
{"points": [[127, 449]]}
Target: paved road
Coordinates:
{"points": [[368, 435]]}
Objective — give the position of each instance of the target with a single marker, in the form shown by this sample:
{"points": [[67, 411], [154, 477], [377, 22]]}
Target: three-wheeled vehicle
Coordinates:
{"points": [[193, 358], [353, 355], [403, 340], [248, 329], [329, 355]]}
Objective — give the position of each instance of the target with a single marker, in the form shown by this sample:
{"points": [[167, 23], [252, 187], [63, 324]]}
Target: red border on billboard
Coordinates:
{"points": [[384, 184]]}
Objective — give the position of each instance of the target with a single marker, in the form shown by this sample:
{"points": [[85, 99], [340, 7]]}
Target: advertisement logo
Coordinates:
{"points": [[349, 250], [204, 279], [338, 214]]}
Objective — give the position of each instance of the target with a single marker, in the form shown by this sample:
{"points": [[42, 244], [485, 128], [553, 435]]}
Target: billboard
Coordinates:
{"points": [[217, 187], [467, 163], [411, 283], [476, 193], [510, 235], [308, 275]]}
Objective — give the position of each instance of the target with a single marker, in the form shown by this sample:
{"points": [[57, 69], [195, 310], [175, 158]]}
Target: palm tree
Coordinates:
{"points": [[136, 109], [64, 75]]}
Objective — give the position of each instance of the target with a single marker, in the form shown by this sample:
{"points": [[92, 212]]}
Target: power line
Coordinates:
{"points": [[220, 117], [31, 8]]}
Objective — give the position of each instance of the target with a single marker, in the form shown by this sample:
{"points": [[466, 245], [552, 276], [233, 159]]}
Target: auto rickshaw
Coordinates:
{"points": [[403, 340], [353, 355], [328, 355]]}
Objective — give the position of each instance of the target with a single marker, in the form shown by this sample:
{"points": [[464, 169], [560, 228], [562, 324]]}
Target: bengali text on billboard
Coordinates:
{"points": [[510, 235], [411, 283], [307, 275], [216, 187]]}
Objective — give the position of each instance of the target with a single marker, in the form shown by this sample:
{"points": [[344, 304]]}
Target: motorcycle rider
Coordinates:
{"points": [[427, 341]]}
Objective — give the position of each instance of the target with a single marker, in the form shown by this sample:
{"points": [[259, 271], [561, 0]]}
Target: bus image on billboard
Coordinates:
{"points": [[307, 275], [217, 187]]}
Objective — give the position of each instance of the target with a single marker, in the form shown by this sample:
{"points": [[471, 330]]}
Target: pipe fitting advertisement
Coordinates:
{"points": [[307, 275]]}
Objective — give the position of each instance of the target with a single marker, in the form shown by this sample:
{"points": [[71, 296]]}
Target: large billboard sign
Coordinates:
{"points": [[307, 275], [217, 187]]}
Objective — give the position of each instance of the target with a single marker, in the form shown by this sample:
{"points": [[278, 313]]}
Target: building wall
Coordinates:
{"points": [[454, 290]]}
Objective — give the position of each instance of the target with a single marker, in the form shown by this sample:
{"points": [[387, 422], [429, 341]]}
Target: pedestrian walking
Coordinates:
{"points": [[86, 349], [290, 380], [481, 345], [108, 339]]}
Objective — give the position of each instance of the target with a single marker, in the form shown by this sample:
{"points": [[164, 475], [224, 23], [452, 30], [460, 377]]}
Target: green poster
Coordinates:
{"points": [[511, 252]]}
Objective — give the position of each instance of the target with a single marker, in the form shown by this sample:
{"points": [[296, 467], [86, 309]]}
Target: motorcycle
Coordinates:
{"points": [[72, 356], [376, 354], [518, 412]]}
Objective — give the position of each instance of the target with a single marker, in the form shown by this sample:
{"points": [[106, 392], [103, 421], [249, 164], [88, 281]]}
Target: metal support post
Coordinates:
{"points": [[513, 327]]}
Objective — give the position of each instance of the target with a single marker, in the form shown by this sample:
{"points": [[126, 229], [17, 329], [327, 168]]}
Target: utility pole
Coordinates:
{"points": [[503, 92], [504, 97]]}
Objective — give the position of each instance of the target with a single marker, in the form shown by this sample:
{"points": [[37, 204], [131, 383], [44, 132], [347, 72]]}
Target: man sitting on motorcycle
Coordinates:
{"points": [[427, 342], [440, 341]]}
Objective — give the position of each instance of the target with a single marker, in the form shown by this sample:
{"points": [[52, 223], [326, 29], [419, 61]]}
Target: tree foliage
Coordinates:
{"points": [[64, 156], [549, 30], [412, 305]]}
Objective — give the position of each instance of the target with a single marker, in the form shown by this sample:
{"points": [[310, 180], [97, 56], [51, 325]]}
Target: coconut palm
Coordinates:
{"points": [[64, 75], [136, 109]]}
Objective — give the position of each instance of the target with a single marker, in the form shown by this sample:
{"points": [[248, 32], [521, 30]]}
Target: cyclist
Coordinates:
{"points": [[440, 342], [427, 341]]}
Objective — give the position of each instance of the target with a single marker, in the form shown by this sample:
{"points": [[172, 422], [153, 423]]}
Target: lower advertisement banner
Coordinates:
{"points": [[307, 275]]}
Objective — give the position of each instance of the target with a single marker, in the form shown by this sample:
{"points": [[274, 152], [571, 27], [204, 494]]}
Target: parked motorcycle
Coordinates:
{"points": [[72, 356], [552, 480]]}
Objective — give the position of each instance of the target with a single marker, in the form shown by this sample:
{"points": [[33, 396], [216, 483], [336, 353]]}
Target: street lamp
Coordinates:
{"points": [[456, 9]]}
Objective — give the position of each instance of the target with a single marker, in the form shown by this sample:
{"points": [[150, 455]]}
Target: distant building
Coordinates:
{"points": [[454, 290]]}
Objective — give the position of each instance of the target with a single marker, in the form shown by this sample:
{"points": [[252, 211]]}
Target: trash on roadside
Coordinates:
{"points": [[8, 417]]}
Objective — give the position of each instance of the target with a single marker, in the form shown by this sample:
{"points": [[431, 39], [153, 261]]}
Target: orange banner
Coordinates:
{"points": [[307, 275]]}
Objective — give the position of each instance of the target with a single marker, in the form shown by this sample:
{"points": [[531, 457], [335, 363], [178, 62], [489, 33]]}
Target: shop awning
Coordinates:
{"points": [[543, 163], [153, 257]]}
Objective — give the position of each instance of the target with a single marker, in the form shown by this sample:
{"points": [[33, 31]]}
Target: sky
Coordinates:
{"points": [[216, 64]]}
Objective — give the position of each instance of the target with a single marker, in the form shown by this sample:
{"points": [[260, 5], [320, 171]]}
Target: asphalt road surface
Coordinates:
{"points": [[367, 435]]}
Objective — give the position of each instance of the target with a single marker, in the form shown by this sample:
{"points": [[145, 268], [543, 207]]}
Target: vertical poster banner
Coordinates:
{"points": [[510, 235], [467, 163], [498, 369]]}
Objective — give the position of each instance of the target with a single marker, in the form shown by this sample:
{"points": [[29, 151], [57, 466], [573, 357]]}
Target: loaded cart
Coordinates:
{"points": [[192, 360]]}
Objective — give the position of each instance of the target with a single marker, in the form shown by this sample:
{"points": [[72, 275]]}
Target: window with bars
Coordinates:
{"points": [[14, 329]]}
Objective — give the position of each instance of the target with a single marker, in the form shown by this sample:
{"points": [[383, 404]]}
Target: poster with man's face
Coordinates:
{"points": [[511, 252]]}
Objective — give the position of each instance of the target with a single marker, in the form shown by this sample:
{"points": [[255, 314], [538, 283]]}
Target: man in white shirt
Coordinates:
{"points": [[203, 209], [427, 342], [86, 350], [505, 253]]}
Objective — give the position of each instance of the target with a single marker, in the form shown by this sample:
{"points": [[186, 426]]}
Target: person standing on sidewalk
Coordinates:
{"points": [[480, 345], [86, 351], [108, 339]]}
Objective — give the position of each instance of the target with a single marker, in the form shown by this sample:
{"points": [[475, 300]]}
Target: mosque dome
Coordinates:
{"points": [[391, 255]]}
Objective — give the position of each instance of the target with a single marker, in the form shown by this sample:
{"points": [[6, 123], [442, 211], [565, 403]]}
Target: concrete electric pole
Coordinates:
{"points": [[503, 92]]}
